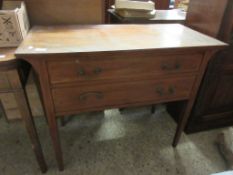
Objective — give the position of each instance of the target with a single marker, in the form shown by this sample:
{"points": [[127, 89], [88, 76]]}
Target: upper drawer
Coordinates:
{"points": [[137, 66]]}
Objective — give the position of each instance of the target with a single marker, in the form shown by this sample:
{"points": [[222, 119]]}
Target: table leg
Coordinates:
{"points": [[53, 128], [62, 121], [48, 107], [152, 109], [182, 120], [56, 141], [25, 111], [188, 108]]}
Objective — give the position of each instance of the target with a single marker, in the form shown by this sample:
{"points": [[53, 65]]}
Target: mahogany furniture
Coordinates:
{"points": [[112, 66], [110, 16], [12, 83], [162, 4], [214, 105], [206, 21], [162, 16], [108, 4], [69, 12], [1, 4], [159, 4], [9, 82]]}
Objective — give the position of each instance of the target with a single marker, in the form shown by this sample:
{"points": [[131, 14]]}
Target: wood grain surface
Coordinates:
{"points": [[206, 16], [46, 47], [100, 38]]}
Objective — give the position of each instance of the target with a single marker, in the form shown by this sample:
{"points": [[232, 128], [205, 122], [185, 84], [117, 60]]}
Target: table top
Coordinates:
{"points": [[7, 58], [166, 15], [101, 38], [7, 54]]}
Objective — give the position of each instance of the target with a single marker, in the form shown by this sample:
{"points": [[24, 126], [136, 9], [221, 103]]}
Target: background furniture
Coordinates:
{"points": [[206, 21], [1, 3], [12, 84], [53, 12], [9, 84], [162, 4], [88, 75], [214, 105], [162, 16], [159, 5], [108, 4]]}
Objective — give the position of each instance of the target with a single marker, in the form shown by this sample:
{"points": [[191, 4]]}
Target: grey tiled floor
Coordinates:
{"points": [[133, 142]]}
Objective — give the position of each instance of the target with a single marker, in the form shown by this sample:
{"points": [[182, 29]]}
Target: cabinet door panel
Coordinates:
{"points": [[223, 96]]}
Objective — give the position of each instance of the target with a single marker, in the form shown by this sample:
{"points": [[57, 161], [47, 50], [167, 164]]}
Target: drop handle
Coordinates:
{"points": [[97, 70], [177, 66], [84, 96], [81, 72], [160, 91], [171, 90], [169, 67]]}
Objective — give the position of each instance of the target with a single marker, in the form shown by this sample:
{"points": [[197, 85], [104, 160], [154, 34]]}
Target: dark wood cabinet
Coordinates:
{"points": [[159, 5], [214, 105], [162, 4]]}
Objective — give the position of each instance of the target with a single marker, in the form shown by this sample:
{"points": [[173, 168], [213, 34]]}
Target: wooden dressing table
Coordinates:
{"points": [[94, 67]]}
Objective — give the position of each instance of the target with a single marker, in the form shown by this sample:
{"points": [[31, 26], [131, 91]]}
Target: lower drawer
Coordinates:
{"points": [[110, 95]]}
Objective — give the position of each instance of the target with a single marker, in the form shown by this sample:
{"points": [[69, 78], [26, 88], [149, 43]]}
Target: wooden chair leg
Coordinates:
{"points": [[25, 110]]}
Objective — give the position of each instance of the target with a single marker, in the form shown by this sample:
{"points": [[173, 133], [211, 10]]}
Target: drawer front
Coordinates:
{"points": [[113, 94], [137, 66]]}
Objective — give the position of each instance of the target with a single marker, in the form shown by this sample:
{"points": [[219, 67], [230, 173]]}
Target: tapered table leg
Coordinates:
{"points": [[25, 110]]}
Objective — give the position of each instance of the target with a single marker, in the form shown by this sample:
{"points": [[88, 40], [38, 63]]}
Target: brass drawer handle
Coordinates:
{"points": [[96, 71], [168, 67], [81, 72], [84, 96], [177, 66], [160, 91], [171, 90]]}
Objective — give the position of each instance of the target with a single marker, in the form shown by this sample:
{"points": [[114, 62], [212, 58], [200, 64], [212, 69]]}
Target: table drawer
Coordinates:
{"points": [[135, 66], [78, 97]]}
